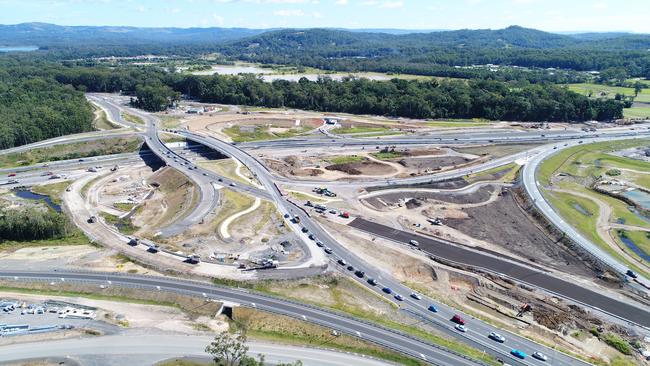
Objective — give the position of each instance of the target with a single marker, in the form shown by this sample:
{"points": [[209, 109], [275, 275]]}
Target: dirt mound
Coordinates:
{"points": [[365, 167], [433, 163], [413, 203], [503, 223], [310, 172]]}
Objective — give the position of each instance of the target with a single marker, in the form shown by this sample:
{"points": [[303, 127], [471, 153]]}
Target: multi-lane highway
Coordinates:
{"points": [[343, 323]]}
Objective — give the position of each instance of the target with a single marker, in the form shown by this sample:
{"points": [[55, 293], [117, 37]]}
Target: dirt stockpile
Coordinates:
{"points": [[433, 163], [503, 223], [365, 167]]}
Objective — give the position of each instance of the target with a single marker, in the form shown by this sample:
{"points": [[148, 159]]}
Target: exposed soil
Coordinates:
{"points": [[455, 183], [477, 196], [362, 168], [503, 223], [433, 163]]}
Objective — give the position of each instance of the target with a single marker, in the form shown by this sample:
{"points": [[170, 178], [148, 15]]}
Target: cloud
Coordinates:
{"points": [[289, 13], [341, 2], [392, 4], [600, 5]]}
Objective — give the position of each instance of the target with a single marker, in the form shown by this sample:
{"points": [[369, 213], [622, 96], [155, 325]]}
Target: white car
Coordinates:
{"points": [[497, 337], [416, 296], [540, 356], [414, 243], [460, 328]]}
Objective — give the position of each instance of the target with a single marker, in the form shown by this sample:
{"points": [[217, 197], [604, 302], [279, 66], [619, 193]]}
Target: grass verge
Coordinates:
{"points": [[132, 118]]}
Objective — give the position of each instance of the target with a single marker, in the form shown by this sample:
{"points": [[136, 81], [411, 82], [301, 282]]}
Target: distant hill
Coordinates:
{"points": [[50, 35], [438, 53]]}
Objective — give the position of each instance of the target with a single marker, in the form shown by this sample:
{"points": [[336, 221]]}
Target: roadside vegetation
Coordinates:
{"points": [[76, 150], [132, 118], [346, 296], [258, 133], [101, 122]]}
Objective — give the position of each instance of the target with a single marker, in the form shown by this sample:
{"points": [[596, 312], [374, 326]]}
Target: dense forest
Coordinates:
{"points": [[32, 224], [155, 89], [438, 53], [34, 107]]}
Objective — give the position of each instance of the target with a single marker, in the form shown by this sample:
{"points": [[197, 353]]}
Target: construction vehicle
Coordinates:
{"points": [[523, 309], [193, 259]]}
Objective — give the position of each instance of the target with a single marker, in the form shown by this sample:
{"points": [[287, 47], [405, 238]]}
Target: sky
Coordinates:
{"points": [[548, 15]]}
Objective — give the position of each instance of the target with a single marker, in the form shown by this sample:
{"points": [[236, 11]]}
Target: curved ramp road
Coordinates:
{"points": [[540, 202], [342, 323], [164, 346]]}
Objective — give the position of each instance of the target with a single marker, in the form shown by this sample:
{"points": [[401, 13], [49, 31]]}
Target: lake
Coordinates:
{"points": [[18, 48]]}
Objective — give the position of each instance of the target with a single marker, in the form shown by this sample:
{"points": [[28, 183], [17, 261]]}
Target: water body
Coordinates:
{"points": [[632, 246], [18, 48], [38, 197], [581, 209], [640, 197]]}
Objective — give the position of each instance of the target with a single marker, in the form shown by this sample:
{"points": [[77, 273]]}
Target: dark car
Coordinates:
{"points": [[305, 230], [342, 262], [458, 320], [350, 268], [372, 281], [360, 274], [312, 237], [387, 290], [433, 309], [631, 273]]}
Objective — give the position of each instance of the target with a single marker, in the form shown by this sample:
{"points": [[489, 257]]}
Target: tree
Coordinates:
{"points": [[638, 86], [227, 350]]}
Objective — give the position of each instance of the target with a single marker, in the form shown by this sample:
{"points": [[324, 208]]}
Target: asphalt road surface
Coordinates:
{"points": [[169, 346], [511, 269], [340, 322]]}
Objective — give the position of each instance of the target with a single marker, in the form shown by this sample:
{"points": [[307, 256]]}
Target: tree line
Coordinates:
{"points": [[32, 224], [154, 89], [34, 106]]}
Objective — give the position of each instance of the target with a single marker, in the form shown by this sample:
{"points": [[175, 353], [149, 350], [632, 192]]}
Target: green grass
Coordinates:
{"points": [[510, 176], [169, 121], [226, 168], [563, 203], [362, 313], [304, 197], [610, 91], [101, 122], [345, 159], [116, 145], [53, 190], [564, 161], [232, 202], [387, 155], [132, 118], [123, 206], [641, 239], [124, 225], [261, 133], [637, 112], [76, 237], [360, 129]]}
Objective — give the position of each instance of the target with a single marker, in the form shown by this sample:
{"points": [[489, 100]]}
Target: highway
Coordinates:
{"points": [[478, 330], [532, 188], [161, 346], [343, 323], [511, 269]]}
